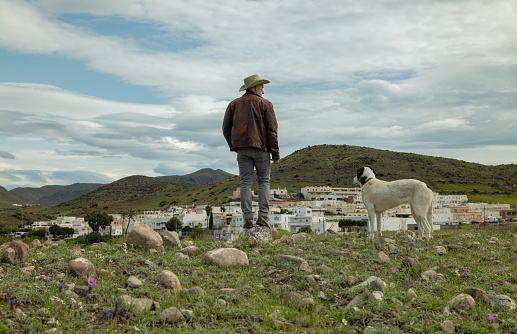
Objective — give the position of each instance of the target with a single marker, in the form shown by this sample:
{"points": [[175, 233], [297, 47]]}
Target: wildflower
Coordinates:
{"points": [[71, 303], [92, 281], [60, 286], [107, 313], [56, 316], [393, 271], [288, 240], [88, 295], [490, 317], [428, 264], [422, 250], [396, 250], [275, 243], [459, 243], [445, 266]]}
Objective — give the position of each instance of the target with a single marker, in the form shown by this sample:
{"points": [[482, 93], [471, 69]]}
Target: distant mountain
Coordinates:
{"points": [[202, 176], [54, 195], [7, 199]]}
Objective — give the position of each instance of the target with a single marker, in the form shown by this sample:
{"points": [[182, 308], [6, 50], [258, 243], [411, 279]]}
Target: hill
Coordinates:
{"points": [[7, 199], [54, 195], [202, 176], [138, 192]]}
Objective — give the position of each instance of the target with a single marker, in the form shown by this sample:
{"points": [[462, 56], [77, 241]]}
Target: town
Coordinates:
{"points": [[323, 208]]}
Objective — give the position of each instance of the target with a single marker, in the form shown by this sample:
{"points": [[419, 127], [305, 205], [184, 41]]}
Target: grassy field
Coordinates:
{"points": [[258, 305]]}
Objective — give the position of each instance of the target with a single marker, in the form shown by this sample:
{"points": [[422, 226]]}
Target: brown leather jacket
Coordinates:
{"points": [[250, 121]]}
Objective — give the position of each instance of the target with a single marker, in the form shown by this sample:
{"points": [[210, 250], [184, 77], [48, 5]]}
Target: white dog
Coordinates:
{"points": [[379, 196]]}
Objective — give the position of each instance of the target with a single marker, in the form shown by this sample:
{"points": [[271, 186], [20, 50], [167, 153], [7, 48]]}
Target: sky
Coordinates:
{"points": [[95, 91]]}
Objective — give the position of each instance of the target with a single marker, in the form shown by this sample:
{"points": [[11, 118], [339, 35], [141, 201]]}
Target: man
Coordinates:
{"points": [[250, 128]]}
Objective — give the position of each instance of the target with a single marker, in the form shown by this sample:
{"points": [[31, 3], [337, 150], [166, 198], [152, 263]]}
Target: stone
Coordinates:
{"points": [[323, 269], [357, 301], [9, 256], [81, 290], [448, 326], [20, 248], [258, 234], [383, 257], [171, 315], [374, 283], [126, 302], [290, 297], [376, 296], [410, 295], [307, 303], [227, 257], [134, 282], [289, 258], [189, 314], [440, 250], [429, 275], [36, 243], [170, 239], [144, 236], [181, 256], [480, 295], [169, 280], [221, 302], [503, 303], [81, 267], [190, 250], [411, 262], [99, 245], [302, 236], [463, 302], [194, 291]]}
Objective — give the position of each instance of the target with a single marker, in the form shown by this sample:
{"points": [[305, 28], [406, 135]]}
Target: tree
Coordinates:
{"points": [[305, 229], [130, 215], [211, 222], [351, 222], [174, 224], [97, 220], [54, 230], [208, 210]]}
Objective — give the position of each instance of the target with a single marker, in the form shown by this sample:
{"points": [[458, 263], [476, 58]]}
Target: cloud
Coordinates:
{"points": [[6, 155]]}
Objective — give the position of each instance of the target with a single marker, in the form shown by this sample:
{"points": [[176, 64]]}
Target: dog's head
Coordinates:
{"points": [[363, 174]]}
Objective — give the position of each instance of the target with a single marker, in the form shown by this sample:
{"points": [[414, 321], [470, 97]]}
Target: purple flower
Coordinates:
{"points": [[92, 281], [71, 302], [106, 312], [87, 295], [393, 271], [396, 250], [113, 311], [459, 243], [56, 316], [60, 286], [445, 266], [489, 317]]}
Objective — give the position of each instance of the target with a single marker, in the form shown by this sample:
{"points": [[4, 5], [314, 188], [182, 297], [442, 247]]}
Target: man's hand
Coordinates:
{"points": [[275, 162]]}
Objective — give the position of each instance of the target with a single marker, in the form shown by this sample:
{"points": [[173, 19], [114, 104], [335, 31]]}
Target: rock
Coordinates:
{"points": [[81, 267], [447, 326], [221, 302], [257, 234], [513, 259], [374, 283], [289, 258], [170, 239], [410, 295], [9, 256], [290, 297], [99, 245], [171, 315], [126, 302], [321, 295], [323, 269], [463, 302], [307, 303], [411, 262], [144, 236], [376, 296], [440, 250], [227, 257], [357, 301], [194, 291], [134, 282], [81, 290], [21, 250], [383, 257], [503, 303], [181, 256], [305, 267], [300, 237], [429, 275], [169, 280], [189, 314], [190, 250], [311, 280], [480, 295], [35, 244]]}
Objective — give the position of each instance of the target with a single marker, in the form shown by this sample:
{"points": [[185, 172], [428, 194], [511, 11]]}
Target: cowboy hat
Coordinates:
{"points": [[252, 81]]}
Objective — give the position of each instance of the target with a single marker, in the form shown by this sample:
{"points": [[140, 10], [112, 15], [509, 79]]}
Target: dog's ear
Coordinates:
{"points": [[360, 172], [373, 171]]}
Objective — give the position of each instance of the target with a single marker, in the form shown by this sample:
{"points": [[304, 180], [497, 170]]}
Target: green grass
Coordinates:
{"points": [[258, 291]]}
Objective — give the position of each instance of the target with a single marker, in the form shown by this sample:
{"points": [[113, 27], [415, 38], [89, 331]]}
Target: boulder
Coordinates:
{"points": [[144, 236], [36, 243], [194, 291], [480, 295], [227, 257], [289, 258], [258, 234], [440, 250], [171, 315], [9, 256], [169, 280], [503, 303], [170, 239], [374, 283], [463, 302], [20, 248], [190, 250], [134, 282], [81, 267]]}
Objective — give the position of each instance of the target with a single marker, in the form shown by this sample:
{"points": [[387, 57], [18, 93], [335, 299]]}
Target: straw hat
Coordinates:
{"points": [[252, 81]]}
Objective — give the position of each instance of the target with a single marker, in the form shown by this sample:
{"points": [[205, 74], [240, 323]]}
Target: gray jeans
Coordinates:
{"points": [[249, 159]]}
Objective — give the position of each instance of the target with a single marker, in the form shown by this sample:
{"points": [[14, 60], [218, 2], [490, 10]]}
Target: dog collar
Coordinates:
{"points": [[365, 182]]}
